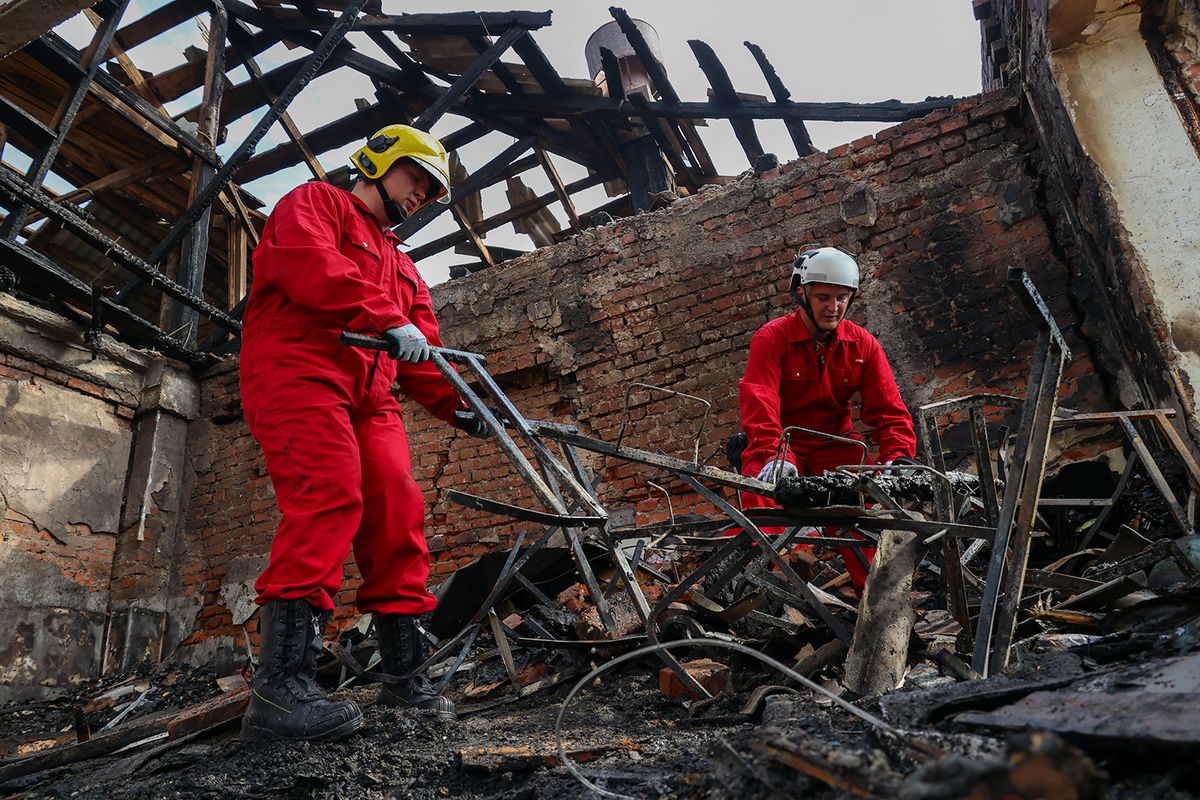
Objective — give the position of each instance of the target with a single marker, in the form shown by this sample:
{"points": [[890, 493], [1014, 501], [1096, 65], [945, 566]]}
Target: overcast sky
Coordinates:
{"points": [[823, 50]]}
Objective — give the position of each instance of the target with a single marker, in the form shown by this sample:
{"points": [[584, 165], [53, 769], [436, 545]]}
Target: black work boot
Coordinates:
{"points": [[286, 702], [402, 649]]}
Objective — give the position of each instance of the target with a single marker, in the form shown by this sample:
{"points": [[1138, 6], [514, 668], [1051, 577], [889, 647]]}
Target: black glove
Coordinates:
{"points": [[471, 422], [905, 461]]}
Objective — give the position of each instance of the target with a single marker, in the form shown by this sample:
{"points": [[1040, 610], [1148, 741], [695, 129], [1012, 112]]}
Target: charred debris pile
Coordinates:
{"points": [[1021, 633]]}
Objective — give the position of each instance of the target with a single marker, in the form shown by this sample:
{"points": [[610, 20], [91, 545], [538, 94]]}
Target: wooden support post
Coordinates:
{"points": [[879, 650], [235, 235], [475, 238], [559, 189]]}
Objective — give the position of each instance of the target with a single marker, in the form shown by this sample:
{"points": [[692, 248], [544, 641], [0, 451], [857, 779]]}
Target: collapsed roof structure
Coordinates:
{"points": [[151, 236]]}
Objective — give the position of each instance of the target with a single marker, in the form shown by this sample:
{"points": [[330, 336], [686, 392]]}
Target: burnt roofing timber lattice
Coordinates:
{"points": [[525, 98]]}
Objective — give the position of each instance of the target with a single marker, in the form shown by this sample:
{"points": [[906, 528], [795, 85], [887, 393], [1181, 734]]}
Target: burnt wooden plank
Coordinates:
{"points": [[493, 222], [723, 91], [499, 69], [795, 128], [465, 81], [661, 134], [474, 182], [159, 20]]}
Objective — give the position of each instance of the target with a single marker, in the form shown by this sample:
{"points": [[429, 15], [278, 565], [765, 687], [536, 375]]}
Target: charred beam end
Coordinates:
{"points": [[551, 82], [658, 75], [612, 74], [795, 128], [468, 78], [723, 90]]}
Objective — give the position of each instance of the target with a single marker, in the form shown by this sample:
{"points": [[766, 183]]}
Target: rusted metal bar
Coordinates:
{"points": [[1010, 549]]}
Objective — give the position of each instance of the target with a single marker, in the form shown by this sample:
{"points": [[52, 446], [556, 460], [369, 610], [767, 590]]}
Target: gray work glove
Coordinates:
{"points": [[407, 344], [471, 422], [785, 469]]}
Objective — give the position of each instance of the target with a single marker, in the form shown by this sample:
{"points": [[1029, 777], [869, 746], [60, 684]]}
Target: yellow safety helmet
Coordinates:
{"points": [[395, 142]]}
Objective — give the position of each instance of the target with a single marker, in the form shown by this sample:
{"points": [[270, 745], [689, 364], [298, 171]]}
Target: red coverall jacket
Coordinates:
{"points": [[323, 413], [789, 381]]}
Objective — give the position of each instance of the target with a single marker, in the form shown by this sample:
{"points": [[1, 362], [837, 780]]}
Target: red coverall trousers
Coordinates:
{"points": [[330, 429]]}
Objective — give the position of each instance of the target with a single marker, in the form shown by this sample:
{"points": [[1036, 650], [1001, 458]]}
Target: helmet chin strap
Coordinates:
{"points": [[801, 298], [395, 213]]}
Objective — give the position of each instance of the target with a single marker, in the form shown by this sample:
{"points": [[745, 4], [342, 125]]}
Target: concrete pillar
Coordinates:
{"points": [[145, 566]]}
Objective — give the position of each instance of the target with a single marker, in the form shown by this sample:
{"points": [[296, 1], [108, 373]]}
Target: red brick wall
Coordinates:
{"points": [[85, 557], [672, 298]]}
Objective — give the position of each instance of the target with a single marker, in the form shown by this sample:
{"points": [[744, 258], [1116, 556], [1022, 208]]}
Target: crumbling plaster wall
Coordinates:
{"points": [[1121, 184], [1129, 125], [937, 210], [71, 452]]}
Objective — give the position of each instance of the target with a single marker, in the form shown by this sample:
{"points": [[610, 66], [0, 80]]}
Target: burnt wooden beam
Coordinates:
{"points": [[25, 124], [32, 265], [468, 78], [476, 181], [658, 78], [612, 74], [194, 257], [499, 69], [658, 75], [68, 107], [158, 21], [468, 23], [239, 157], [248, 96], [503, 218], [659, 130], [136, 79], [723, 91], [174, 83], [795, 128], [56, 54], [578, 105], [289, 126], [559, 189]]}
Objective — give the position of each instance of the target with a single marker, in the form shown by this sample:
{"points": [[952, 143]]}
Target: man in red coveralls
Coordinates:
{"points": [[331, 430], [803, 369]]}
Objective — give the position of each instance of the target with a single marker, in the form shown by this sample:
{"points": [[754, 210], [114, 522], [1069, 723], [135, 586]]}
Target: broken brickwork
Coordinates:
{"points": [[936, 210], [1133, 291]]}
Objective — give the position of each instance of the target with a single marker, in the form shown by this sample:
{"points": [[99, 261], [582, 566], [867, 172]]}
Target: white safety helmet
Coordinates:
{"points": [[825, 265]]}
